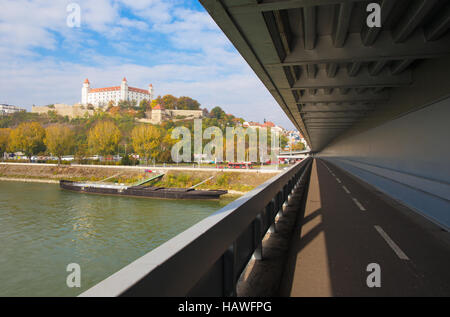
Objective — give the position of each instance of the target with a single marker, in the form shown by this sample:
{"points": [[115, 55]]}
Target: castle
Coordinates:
{"points": [[100, 97], [93, 99]]}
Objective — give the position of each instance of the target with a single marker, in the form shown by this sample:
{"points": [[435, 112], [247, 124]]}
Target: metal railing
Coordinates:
{"points": [[208, 258]]}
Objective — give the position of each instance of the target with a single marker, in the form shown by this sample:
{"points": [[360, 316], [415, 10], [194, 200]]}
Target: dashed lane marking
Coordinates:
{"points": [[360, 206], [392, 244]]}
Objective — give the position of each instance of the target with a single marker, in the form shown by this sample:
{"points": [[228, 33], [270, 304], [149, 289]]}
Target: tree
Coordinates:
{"points": [[4, 136], [187, 103], [299, 146], [28, 137], [103, 138], [218, 113], [146, 140], [169, 102], [59, 140], [144, 105]]}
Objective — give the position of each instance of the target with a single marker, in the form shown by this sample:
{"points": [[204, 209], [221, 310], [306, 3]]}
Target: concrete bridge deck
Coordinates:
{"points": [[347, 225]]}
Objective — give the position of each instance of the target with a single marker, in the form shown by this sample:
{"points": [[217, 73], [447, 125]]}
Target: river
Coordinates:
{"points": [[43, 229]]}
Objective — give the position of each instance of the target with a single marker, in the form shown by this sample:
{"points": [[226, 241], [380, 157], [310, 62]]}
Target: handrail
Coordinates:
{"points": [[207, 258]]}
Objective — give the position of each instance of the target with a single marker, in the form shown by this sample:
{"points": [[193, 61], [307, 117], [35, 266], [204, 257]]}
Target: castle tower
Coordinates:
{"points": [[85, 92], [124, 89], [150, 91]]}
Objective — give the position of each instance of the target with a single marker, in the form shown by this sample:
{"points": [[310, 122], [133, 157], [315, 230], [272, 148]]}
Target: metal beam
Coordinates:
{"points": [[332, 69], [342, 16], [334, 111], [354, 51], [309, 27], [312, 116], [399, 66], [335, 108], [370, 35], [311, 71], [439, 26], [417, 11], [273, 5], [376, 67], [363, 79], [353, 68]]}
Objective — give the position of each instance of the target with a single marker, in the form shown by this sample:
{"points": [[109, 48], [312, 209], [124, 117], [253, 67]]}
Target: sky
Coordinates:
{"points": [[172, 44]]}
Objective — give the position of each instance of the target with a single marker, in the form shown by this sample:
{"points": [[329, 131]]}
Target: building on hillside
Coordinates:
{"points": [[159, 114], [9, 109], [75, 111], [266, 125], [100, 97]]}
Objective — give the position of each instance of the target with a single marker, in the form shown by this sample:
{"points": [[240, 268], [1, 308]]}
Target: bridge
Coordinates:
{"points": [[374, 197], [293, 154]]}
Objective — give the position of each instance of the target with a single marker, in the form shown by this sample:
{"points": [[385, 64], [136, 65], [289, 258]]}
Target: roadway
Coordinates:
{"points": [[346, 226]]}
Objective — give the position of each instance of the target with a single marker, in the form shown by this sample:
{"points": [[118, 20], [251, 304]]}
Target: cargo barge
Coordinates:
{"points": [[141, 191]]}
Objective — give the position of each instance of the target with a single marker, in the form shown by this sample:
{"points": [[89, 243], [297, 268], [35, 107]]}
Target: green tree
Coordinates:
{"points": [[103, 138], [144, 105], [28, 137], [59, 140], [218, 113]]}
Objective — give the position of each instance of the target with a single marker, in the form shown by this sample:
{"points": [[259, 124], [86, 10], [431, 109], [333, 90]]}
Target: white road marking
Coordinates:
{"points": [[360, 206], [338, 180], [346, 189], [392, 244]]}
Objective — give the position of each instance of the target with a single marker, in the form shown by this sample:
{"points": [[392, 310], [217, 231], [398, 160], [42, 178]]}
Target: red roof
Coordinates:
{"points": [[142, 91], [105, 89], [86, 81], [124, 79], [115, 88], [158, 107], [269, 124]]}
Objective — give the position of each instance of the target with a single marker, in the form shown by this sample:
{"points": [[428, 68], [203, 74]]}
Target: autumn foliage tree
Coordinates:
{"points": [[146, 140], [103, 138], [28, 137], [4, 136], [59, 140]]}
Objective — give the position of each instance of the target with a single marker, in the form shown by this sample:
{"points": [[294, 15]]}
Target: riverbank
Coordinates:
{"points": [[235, 183], [28, 180]]}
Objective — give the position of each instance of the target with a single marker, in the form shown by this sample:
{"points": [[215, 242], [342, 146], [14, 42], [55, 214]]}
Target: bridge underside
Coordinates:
{"points": [[374, 101]]}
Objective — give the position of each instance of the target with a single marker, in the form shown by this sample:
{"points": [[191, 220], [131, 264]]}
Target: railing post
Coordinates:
{"points": [[257, 238], [229, 281], [279, 204], [271, 215]]}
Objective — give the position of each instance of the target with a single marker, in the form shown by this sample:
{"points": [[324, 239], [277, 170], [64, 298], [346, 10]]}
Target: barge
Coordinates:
{"points": [[141, 191]]}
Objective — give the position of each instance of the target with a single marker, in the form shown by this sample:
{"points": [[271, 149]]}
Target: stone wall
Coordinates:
{"points": [[74, 111]]}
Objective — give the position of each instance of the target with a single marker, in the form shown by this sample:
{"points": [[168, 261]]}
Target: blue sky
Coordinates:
{"points": [[173, 44]]}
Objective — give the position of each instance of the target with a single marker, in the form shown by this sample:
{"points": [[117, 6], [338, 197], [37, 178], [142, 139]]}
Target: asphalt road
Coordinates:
{"points": [[350, 232]]}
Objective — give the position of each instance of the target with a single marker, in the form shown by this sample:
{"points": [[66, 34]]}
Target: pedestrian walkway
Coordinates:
{"points": [[352, 237]]}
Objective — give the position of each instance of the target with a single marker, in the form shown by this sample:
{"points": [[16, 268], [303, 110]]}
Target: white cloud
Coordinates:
{"points": [[195, 59]]}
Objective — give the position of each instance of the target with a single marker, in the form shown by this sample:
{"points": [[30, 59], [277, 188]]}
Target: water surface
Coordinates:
{"points": [[43, 229]]}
